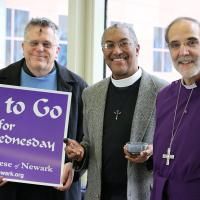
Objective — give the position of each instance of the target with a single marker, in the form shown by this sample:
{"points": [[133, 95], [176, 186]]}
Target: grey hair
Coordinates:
{"points": [[121, 26], [177, 20], [42, 22]]}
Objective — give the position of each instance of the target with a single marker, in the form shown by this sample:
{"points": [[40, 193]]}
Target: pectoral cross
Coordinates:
{"points": [[168, 156], [117, 113]]}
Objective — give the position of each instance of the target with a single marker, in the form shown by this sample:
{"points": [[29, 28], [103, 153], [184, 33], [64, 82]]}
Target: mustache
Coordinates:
{"points": [[119, 56], [185, 59]]}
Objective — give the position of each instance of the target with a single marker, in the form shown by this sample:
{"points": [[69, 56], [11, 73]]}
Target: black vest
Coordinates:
{"points": [[118, 116]]}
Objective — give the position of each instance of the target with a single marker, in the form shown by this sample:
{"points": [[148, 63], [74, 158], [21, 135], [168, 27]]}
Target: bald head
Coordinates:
{"points": [[176, 21], [121, 26]]}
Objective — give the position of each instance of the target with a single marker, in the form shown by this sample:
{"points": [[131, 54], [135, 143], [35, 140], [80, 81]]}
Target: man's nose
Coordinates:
{"points": [[40, 46], [117, 49], [184, 50]]}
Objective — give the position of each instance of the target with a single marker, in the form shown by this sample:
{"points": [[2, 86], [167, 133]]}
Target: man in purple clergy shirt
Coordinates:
{"points": [[176, 140]]}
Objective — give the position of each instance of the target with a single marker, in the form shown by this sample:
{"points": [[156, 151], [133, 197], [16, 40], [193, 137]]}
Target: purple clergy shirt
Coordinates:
{"points": [[180, 180]]}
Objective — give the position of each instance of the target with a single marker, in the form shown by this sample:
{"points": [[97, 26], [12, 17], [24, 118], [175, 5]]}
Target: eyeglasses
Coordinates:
{"points": [[109, 46], [190, 43], [35, 43]]}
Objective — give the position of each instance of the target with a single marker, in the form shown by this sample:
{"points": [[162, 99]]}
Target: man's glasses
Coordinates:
{"points": [[189, 43], [124, 45], [35, 43]]}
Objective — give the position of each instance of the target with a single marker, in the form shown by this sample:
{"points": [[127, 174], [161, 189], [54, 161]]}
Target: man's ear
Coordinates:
{"points": [[137, 49]]}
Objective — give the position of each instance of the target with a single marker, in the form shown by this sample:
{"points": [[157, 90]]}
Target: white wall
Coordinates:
{"points": [[145, 15]]}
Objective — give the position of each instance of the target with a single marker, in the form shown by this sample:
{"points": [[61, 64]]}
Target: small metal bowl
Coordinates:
{"points": [[136, 147]]}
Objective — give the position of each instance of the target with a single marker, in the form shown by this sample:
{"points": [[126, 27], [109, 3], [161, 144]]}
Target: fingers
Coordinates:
{"points": [[67, 177], [148, 152], [2, 181], [74, 150], [66, 185], [68, 182], [139, 158]]}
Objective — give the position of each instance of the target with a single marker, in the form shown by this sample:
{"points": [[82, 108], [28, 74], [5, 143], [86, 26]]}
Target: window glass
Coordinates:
{"points": [[164, 61], [157, 57], [158, 43], [20, 21], [62, 56], [63, 27], [8, 52], [18, 50], [167, 62], [8, 22]]}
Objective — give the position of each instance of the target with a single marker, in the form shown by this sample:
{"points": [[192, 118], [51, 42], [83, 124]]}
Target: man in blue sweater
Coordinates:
{"points": [[39, 69]]}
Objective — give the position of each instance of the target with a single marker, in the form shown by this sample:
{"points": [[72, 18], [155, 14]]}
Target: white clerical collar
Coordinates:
{"points": [[188, 86], [127, 81]]}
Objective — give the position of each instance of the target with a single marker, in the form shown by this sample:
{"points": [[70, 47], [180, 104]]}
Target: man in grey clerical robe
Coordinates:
{"points": [[117, 110]]}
